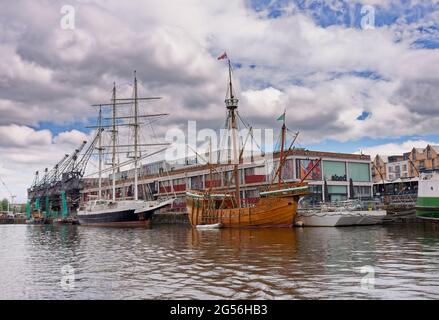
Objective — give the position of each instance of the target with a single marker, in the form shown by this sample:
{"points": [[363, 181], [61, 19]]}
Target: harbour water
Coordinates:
{"points": [[177, 262]]}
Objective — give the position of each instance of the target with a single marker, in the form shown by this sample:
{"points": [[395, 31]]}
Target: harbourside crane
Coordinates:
{"points": [[60, 186], [10, 194]]}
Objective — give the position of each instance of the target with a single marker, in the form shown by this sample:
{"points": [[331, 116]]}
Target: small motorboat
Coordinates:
{"points": [[209, 226]]}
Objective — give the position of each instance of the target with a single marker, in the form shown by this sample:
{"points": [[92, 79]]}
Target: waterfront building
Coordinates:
{"points": [[379, 168], [423, 159], [398, 175], [405, 166], [344, 175], [390, 168], [397, 167]]}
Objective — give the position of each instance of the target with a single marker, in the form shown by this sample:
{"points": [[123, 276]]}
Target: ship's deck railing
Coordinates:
{"points": [[406, 198], [347, 205]]}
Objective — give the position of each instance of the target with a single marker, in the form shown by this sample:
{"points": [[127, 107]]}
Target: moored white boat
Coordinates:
{"points": [[349, 213]]}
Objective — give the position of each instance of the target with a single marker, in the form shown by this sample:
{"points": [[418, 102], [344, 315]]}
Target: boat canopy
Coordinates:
{"points": [[283, 190], [213, 195]]}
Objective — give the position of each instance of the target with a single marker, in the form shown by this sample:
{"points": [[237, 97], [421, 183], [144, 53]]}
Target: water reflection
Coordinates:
{"points": [[175, 262]]}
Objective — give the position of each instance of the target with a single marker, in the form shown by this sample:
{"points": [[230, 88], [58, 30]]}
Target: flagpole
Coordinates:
{"points": [[230, 78], [282, 149]]}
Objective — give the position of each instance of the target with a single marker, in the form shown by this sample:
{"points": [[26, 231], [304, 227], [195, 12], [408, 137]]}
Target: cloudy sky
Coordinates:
{"points": [[346, 87]]}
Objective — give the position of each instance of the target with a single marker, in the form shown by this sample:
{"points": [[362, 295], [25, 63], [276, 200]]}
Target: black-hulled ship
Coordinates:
{"points": [[120, 213], [115, 212]]}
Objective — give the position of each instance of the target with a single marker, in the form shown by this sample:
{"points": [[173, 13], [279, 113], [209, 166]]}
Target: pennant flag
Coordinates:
{"points": [[281, 118], [223, 56]]}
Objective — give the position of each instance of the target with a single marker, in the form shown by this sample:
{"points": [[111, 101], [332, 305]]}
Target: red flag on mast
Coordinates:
{"points": [[223, 56]]}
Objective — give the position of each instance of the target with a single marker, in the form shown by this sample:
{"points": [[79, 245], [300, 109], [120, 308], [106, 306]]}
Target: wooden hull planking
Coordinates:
{"points": [[268, 212]]}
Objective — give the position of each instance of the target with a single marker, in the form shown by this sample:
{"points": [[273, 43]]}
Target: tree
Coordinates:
{"points": [[4, 204]]}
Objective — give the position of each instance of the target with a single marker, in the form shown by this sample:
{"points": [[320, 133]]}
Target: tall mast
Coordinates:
{"points": [[128, 102], [232, 105], [210, 163], [282, 152], [100, 152], [114, 136], [136, 133]]}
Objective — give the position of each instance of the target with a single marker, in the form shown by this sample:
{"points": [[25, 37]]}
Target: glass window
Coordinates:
{"points": [[337, 193], [334, 170], [359, 172], [315, 196], [303, 166], [287, 170], [197, 182], [361, 191], [337, 189]]}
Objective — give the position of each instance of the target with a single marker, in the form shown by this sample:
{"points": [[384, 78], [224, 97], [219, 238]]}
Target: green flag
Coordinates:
{"points": [[281, 118]]}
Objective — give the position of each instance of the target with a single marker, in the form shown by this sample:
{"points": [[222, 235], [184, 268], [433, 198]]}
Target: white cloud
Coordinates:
{"points": [[73, 137], [24, 150], [21, 136], [389, 149]]}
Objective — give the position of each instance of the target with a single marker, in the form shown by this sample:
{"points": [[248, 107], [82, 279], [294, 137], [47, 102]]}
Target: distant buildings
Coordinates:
{"points": [[407, 165]]}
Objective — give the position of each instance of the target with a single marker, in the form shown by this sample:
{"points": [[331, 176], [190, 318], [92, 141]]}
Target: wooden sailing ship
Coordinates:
{"points": [[277, 204]]}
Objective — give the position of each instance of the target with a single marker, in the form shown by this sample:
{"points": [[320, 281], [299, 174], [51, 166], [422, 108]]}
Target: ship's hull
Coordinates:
{"points": [[268, 212], [122, 218], [427, 212], [122, 214], [342, 219], [427, 205]]}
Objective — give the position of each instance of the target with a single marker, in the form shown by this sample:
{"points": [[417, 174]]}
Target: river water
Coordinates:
{"points": [[177, 262]]}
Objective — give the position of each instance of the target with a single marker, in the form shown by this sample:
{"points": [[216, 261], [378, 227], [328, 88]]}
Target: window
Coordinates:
{"points": [[315, 196], [337, 193], [404, 167], [414, 154], [287, 170], [334, 170], [212, 180], [303, 166], [429, 153], [255, 175], [421, 164], [362, 191], [359, 172], [197, 182]]}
